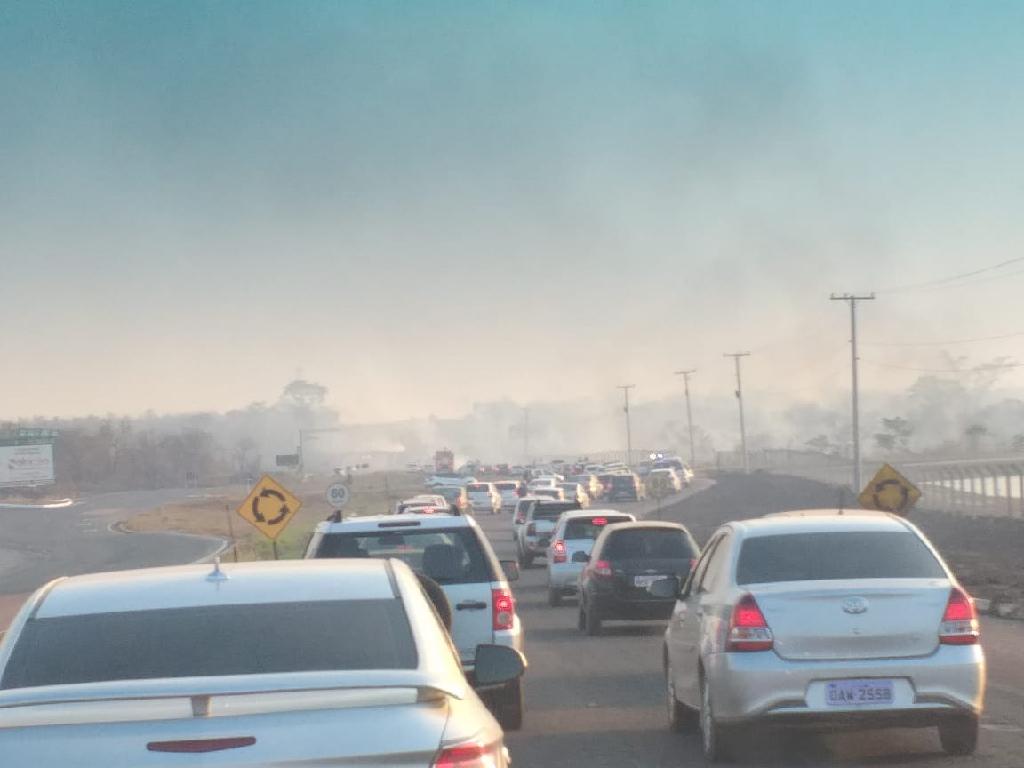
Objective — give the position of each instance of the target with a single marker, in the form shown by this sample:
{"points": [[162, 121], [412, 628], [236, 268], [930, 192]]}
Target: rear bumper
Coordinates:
{"points": [[537, 545], [564, 576], [747, 686], [613, 607]]}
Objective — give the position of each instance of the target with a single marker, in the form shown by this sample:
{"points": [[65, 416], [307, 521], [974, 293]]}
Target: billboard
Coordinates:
{"points": [[26, 464]]}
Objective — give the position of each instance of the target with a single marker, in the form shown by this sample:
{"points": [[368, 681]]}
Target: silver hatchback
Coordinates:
{"points": [[823, 618]]}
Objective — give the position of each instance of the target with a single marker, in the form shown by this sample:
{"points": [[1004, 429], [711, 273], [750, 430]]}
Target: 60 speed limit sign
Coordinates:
{"points": [[337, 495]]}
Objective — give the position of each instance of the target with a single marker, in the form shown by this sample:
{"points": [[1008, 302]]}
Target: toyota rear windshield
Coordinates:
{"points": [[214, 640], [448, 556], [836, 555]]}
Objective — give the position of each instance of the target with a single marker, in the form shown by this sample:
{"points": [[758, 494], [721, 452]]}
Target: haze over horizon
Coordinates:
{"points": [[426, 206]]}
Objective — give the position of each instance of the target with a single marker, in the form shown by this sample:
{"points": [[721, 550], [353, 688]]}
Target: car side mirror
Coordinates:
{"points": [[665, 588], [497, 665], [511, 569], [580, 557]]}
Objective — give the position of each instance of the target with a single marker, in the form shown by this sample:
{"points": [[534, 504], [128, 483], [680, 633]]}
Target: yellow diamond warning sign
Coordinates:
{"points": [[269, 506], [889, 491]]}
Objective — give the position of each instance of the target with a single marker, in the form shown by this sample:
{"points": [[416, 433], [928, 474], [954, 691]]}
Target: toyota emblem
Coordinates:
{"points": [[855, 605]]}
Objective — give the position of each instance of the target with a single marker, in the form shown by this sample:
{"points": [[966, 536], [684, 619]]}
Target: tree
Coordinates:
{"points": [[885, 441], [974, 433], [896, 436]]}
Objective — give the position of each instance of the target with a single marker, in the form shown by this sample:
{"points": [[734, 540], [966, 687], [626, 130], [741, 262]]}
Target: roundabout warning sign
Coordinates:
{"points": [[269, 507], [889, 491]]}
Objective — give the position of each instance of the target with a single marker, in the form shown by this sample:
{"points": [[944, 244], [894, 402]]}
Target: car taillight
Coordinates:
{"points": [[503, 608], [559, 550], [599, 521], [531, 530], [960, 621], [748, 630], [470, 756], [602, 568]]}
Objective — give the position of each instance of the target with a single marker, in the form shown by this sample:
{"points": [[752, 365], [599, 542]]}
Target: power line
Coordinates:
{"points": [[951, 278], [941, 343]]}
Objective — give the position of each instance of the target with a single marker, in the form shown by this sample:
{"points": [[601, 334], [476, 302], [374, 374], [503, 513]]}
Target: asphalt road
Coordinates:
{"points": [[599, 701], [37, 545]]}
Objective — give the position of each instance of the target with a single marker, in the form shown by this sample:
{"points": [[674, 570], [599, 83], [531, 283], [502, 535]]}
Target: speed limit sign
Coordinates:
{"points": [[337, 495]]}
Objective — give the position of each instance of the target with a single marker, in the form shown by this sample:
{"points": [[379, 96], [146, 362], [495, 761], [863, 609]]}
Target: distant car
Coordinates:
{"points": [[455, 553], [624, 487], [574, 536], [551, 493], [510, 491], [575, 492], [533, 534], [829, 618], [457, 498], [448, 481], [626, 560], [666, 475], [335, 659], [484, 497], [421, 507], [590, 484], [542, 482]]}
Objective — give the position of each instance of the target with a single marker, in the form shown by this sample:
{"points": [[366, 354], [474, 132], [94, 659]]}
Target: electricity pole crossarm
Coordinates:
{"points": [[855, 404], [739, 399], [689, 411], [629, 438]]}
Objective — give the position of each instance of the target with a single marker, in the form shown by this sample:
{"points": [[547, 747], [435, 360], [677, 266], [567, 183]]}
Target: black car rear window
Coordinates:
{"points": [[216, 640], [448, 556], [836, 555], [621, 481], [506, 486], [650, 544], [585, 528], [545, 511]]}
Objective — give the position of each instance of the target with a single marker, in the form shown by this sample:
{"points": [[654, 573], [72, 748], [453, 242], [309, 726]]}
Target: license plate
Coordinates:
{"points": [[856, 693], [645, 581]]}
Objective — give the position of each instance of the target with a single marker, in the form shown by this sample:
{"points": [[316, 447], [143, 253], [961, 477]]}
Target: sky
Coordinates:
{"points": [[425, 205]]}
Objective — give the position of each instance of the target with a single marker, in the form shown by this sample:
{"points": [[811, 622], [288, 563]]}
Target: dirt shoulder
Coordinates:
{"points": [[986, 553]]}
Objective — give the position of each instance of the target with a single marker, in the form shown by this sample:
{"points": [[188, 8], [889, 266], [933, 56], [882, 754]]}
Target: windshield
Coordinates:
{"points": [[841, 555], [363, 634], [590, 527], [649, 544]]}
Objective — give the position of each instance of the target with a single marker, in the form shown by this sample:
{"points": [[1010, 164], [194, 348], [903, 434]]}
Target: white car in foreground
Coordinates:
{"points": [[822, 618], [286, 663]]}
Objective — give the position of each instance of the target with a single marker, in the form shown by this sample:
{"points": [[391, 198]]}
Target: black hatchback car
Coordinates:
{"points": [[625, 487], [626, 560]]}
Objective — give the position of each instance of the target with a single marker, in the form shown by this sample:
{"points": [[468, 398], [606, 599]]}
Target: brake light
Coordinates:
{"points": [[469, 756], [559, 550], [599, 521], [960, 621], [503, 608], [748, 630], [602, 568]]}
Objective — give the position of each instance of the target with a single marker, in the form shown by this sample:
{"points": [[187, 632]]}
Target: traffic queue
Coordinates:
{"points": [[397, 641]]}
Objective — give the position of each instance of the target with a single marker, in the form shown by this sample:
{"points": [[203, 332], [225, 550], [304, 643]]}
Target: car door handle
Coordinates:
{"points": [[471, 605]]}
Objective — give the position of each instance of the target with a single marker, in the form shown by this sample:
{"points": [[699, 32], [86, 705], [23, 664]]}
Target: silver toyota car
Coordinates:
{"points": [[822, 618], [327, 662]]}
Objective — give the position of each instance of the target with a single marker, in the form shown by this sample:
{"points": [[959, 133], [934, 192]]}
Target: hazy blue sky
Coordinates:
{"points": [[422, 204]]}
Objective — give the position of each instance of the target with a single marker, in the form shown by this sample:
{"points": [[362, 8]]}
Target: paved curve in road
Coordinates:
{"points": [[37, 545], [599, 701]]}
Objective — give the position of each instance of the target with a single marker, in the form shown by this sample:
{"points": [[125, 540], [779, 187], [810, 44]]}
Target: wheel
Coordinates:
{"points": [[525, 560], [680, 717], [591, 621], [554, 597], [960, 736], [715, 741], [581, 620], [507, 706]]}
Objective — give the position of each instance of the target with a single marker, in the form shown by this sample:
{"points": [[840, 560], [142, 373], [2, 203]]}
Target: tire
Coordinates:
{"points": [[525, 560], [959, 736], [554, 597], [715, 740], [591, 622], [508, 706], [681, 718]]}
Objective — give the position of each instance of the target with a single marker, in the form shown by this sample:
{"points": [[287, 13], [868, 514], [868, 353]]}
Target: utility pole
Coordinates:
{"points": [[689, 411], [739, 399], [629, 438], [526, 437], [853, 299]]}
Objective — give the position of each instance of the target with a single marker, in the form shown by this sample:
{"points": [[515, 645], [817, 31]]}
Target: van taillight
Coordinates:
{"points": [[503, 608], [960, 621], [559, 551], [748, 630]]}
